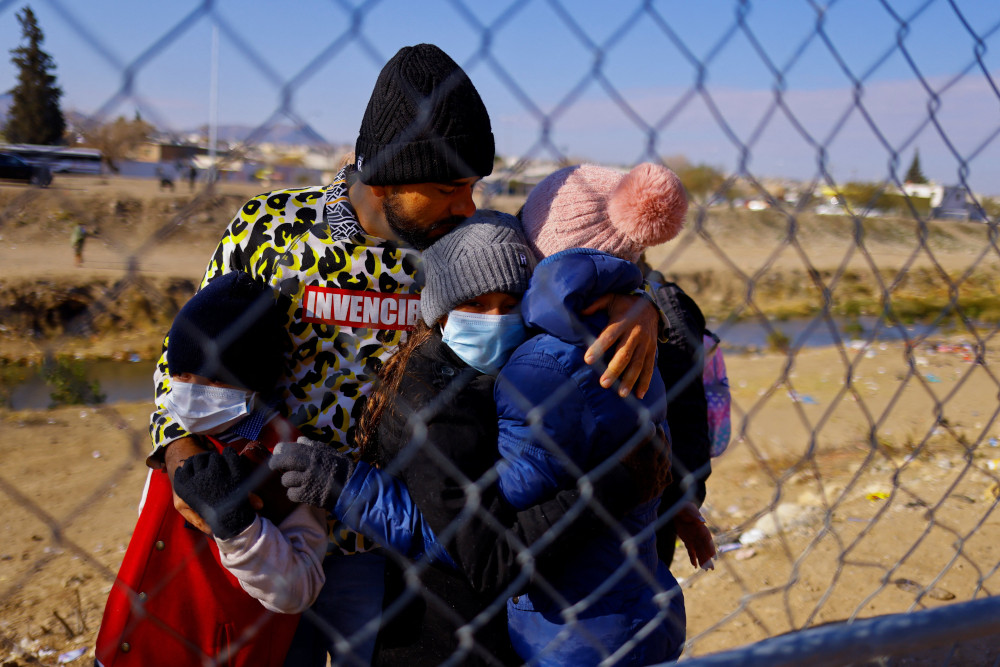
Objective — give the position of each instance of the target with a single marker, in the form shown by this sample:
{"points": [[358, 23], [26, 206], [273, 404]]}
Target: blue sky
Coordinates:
{"points": [[773, 87]]}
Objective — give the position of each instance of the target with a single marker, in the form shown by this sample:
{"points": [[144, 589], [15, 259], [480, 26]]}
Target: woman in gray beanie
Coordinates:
{"points": [[428, 440]]}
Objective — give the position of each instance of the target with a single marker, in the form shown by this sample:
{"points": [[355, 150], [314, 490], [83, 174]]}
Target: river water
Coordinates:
{"points": [[133, 381]]}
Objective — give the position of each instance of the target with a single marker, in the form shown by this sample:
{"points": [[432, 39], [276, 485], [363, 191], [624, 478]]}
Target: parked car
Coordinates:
{"points": [[13, 168]]}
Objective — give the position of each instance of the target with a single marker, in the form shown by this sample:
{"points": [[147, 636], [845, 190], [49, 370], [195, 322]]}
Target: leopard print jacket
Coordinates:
{"points": [[349, 299]]}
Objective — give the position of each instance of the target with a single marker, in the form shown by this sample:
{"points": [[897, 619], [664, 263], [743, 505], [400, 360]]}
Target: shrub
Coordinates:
{"points": [[69, 383]]}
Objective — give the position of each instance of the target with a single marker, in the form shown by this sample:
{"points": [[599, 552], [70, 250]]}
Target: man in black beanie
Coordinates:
{"points": [[345, 261], [425, 140]]}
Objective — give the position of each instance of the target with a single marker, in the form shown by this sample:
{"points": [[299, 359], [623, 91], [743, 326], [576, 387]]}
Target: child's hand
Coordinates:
{"points": [[313, 473], [216, 486], [696, 536], [173, 458]]}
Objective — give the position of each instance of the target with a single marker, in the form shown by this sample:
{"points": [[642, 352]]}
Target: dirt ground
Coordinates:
{"points": [[879, 460]]}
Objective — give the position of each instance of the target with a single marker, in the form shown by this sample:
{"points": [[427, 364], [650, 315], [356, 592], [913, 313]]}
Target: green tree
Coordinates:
{"points": [[914, 174], [35, 116], [861, 196], [701, 181]]}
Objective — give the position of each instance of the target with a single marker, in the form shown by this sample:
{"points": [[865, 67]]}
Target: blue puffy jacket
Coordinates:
{"points": [[556, 423]]}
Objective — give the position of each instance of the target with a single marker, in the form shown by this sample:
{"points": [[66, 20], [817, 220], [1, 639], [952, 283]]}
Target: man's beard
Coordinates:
{"points": [[408, 232]]}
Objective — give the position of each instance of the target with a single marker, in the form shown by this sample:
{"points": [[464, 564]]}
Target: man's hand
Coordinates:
{"points": [[696, 536], [173, 457], [633, 325]]}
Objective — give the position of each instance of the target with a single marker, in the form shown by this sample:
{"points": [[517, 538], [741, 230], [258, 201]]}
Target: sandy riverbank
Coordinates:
{"points": [[878, 458]]}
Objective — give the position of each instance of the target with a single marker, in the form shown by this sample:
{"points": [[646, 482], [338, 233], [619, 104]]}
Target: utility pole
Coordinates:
{"points": [[213, 109]]}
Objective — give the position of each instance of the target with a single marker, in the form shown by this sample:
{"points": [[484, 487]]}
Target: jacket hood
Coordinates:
{"points": [[567, 282]]}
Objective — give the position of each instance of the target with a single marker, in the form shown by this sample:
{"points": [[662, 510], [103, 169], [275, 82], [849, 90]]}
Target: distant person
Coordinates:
{"points": [[76, 239], [166, 179], [192, 177], [178, 589]]}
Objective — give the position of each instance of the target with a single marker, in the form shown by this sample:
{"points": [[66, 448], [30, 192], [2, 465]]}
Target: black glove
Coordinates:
{"points": [[313, 473], [216, 487]]}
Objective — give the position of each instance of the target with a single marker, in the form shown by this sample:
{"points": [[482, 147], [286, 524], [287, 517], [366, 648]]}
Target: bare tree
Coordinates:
{"points": [[116, 139]]}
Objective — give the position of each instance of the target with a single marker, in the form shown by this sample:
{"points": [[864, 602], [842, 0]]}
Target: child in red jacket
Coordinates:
{"points": [[233, 597]]}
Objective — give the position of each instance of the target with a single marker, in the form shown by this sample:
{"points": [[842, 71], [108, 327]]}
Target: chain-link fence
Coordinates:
{"points": [[853, 511]]}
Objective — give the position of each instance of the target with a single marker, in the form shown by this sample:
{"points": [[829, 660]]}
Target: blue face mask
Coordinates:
{"points": [[485, 342]]}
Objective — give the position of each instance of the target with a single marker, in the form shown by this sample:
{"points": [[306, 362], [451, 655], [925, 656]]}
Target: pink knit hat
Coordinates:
{"points": [[589, 206]]}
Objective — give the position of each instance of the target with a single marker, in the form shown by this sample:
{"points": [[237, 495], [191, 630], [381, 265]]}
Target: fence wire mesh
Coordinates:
{"points": [[862, 479]]}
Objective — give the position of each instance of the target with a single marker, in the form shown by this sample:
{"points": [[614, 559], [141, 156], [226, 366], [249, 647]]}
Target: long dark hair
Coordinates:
{"points": [[386, 390]]}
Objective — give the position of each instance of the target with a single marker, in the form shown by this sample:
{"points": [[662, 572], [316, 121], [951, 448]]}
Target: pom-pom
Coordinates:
{"points": [[649, 205]]}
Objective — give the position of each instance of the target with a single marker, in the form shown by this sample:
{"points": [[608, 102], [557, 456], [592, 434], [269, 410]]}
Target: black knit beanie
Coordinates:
{"points": [[230, 331], [425, 123]]}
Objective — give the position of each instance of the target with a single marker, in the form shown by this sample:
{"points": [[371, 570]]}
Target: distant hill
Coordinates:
{"points": [[233, 133]]}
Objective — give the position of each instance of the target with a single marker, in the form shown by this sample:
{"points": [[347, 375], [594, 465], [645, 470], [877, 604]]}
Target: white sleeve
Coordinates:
{"points": [[282, 566]]}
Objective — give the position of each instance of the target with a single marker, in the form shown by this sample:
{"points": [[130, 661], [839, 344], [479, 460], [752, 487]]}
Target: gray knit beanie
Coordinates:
{"points": [[486, 253]]}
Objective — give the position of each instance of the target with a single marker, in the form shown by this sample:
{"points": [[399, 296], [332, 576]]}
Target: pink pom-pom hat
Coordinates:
{"points": [[589, 206]]}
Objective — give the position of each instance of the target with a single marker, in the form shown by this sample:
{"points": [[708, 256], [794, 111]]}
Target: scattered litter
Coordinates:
{"points": [[729, 546], [134, 358], [857, 519], [83, 414], [993, 464], [940, 594], [930, 377], [993, 492], [908, 585], [29, 645], [805, 399], [993, 442], [911, 586], [784, 517], [745, 554], [876, 495], [70, 656]]}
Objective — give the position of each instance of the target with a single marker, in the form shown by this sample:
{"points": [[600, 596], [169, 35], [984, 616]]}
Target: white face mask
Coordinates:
{"points": [[205, 409]]}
